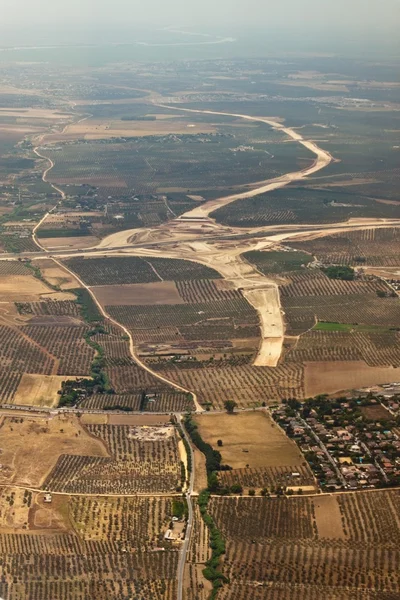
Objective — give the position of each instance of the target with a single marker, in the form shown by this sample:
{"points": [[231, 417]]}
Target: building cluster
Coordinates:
{"points": [[350, 444]]}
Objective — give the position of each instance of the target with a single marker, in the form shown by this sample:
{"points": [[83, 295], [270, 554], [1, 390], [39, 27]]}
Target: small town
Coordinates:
{"points": [[350, 443]]}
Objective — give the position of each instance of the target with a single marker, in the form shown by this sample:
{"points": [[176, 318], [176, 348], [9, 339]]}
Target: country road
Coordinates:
{"points": [[135, 357], [189, 525], [220, 248]]}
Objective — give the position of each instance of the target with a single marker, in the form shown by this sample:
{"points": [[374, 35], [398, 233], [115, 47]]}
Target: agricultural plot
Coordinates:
{"points": [[143, 317], [205, 290], [129, 378], [278, 261], [235, 154], [365, 309], [314, 282], [160, 292], [134, 466], [145, 401], [132, 269], [133, 523], [298, 548], [31, 446], [20, 354], [301, 205], [52, 307], [66, 344], [259, 453], [249, 386], [376, 348], [64, 567], [374, 247]]}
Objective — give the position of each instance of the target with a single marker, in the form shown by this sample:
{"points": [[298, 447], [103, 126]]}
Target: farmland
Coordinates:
{"points": [[374, 247], [263, 536], [258, 452], [301, 205], [102, 567], [133, 467], [111, 271], [31, 446], [218, 276]]}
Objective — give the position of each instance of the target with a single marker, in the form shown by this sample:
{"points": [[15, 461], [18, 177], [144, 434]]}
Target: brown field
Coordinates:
{"points": [[310, 548], [21, 288], [376, 412], [95, 129], [250, 439], [327, 517], [151, 420], [39, 390], [94, 419], [138, 294], [31, 446], [74, 243], [331, 377], [55, 275]]}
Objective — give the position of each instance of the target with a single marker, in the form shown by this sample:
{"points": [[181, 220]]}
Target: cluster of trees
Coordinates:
{"points": [[212, 569], [340, 272]]}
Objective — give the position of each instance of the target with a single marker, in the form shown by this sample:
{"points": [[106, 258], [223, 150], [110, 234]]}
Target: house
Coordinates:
{"points": [[47, 498]]}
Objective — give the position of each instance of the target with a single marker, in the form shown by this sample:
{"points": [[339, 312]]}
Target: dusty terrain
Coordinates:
{"points": [[331, 377], [164, 292], [31, 446], [249, 439], [39, 390]]}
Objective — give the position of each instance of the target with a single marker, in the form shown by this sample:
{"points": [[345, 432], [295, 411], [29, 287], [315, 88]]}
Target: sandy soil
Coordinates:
{"points": [[39, 390], [145, 419], [55, 275], [239, 274], [136, 294], [328, 517], [21, 288], [183, 457], [94, 419], [84, 241], [331, 377], [31, 449], [250, 438], [267, 303], [200, 480]]}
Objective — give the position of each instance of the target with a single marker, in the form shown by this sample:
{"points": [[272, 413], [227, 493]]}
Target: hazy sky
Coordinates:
{"points": [[364, 14]]}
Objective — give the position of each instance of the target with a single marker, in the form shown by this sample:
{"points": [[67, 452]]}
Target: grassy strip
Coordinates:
{"points": [[217, 543], [213, 457]]}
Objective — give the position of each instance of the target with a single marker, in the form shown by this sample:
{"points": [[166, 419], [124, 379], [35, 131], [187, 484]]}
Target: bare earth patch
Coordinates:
{"points": [[328, 517], [32, 445], [21, 288], [39, 390], [249, 439], [137, 294], [55, 275], [69, 243], [266, 302], [330, 377]]}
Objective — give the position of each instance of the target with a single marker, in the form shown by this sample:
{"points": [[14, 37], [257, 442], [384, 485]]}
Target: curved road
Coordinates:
{"points": [[323, 159]]}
